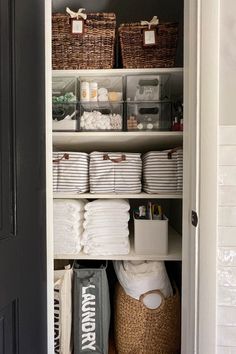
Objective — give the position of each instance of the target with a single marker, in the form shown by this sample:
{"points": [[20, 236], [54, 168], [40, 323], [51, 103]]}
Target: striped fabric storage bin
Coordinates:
{"points": [[163, 171], [70, 172], [115, 172]]}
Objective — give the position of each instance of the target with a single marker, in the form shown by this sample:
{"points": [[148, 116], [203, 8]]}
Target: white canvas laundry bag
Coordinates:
{"points": [[63, 310]]}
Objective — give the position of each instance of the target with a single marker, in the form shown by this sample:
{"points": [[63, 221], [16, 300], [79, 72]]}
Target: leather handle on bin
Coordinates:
{"points": [[117, 160], [65, 156], [172, 151]]}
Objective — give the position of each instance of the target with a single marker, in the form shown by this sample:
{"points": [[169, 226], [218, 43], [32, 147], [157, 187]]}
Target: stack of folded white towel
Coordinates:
{"points": [[106, 227], [68, 218]]}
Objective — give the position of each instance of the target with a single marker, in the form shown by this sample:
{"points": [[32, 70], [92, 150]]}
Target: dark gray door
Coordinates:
{"points": [[22, 179]]}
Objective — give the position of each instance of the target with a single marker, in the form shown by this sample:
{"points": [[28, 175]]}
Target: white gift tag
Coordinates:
{"points": [[77, 26], [149, 37]]}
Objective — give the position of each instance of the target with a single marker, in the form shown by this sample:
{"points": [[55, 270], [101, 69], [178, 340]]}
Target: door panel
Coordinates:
{"points": [[7, 190], [23, 281], [8, 325]]}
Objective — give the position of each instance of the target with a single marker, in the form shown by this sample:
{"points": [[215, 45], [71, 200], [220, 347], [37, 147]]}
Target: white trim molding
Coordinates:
{"points": [[209, 43]]}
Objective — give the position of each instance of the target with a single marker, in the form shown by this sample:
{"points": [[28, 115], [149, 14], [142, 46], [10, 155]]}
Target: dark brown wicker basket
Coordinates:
{"points": [[92, 50], [139, 330], [136, 55]]}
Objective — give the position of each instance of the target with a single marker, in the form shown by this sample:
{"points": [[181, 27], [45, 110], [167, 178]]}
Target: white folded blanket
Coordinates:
{"points": [[115, 224], [65, 248], [103, 240], [108, 204], [68, 217], [137, 278], [67, 229], [108, 249], [107, 214], [109, 233], [69, 205]]}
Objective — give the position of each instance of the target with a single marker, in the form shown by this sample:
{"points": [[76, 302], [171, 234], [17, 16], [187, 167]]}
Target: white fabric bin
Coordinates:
{"points": [[151, 236], [115, 172], [70, 172]]}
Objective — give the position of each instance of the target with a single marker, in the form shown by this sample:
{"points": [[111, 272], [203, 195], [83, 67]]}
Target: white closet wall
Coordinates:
{"points": [[226, 310]]}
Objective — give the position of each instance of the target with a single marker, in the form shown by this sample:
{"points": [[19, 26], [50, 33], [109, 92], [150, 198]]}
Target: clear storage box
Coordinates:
{"points": [[101, 89], [149, 116], [151, 236], [101, 116], [64, 104], [148, 87]]}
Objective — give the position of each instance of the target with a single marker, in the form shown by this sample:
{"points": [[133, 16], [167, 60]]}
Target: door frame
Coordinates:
{"points": [[49, 187], [201, 85]]}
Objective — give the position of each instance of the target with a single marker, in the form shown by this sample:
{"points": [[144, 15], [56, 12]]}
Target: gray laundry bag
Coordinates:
{"points": [[91, 308]]}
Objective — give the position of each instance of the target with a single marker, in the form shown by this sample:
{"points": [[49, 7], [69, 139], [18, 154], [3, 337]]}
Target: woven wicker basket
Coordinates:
{"points": [[139, 330], [92, 50], [136, 55]]}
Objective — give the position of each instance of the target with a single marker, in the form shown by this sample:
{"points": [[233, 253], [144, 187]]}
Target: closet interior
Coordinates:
{"points": [[118, 193]]}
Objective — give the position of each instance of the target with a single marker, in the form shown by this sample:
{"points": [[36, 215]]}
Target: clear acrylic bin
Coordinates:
{"points": [[64, 117], [147, 88], [101, 88], [64, 104], [101, 116], [151, 236], [149, 116]]}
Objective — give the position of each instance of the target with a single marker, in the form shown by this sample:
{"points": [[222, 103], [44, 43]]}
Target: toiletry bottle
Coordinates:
{"points": [[93, 91], [84, 91], [175, 124]]}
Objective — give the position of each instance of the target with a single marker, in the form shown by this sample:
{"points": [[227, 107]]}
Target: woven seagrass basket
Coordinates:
{"points": [[140, 330], [94, 49], [136, 55]]}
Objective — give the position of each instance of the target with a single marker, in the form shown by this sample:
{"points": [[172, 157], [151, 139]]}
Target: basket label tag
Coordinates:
{"points": [[149, 37], [77, 26]]}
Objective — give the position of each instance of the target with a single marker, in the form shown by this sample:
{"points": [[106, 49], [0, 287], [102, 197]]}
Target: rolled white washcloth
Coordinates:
{"points": [[102, 98], [102, 91]]}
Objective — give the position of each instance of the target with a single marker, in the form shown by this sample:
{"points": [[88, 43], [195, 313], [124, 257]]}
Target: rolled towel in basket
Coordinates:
{"points": [[139, 277]]}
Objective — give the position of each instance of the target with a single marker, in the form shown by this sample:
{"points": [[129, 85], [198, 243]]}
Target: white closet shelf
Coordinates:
{"points": [[174, 254], [87, 72], [115, 141], [62, 195]]}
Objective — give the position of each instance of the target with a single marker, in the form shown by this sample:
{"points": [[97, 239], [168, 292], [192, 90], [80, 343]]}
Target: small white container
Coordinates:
{"points": [[84, 91], [93, 91], [151, 236]]}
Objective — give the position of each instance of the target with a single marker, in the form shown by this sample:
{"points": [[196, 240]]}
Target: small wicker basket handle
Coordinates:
{"points": [[141, 298], [119, 159], [65, 156]]}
